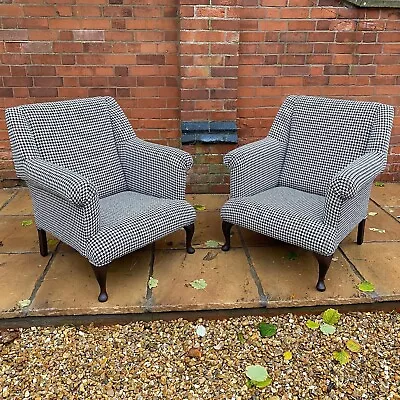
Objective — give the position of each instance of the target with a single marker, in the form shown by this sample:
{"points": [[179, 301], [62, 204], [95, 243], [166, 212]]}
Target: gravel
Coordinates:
{"points": [[168, 360]]}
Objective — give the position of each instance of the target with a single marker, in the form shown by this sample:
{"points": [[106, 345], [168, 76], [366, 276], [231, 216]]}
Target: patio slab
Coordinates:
{"points": [[257, 273], [289, 274], [21, 204], [5, 195], [70, 288], [378, 263], [17, 238], [19, 274], [227, 274]]}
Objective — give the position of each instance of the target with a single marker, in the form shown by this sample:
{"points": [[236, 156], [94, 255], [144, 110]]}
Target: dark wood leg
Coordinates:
{"points": [[189, 236], [42, 242], [324, 263], [226, 228], [360, 232], [101, 276]]}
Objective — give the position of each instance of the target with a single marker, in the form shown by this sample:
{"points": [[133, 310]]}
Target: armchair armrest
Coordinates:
{"points": [[59, 181], [155, 169], [348, 182], [255, 166]]}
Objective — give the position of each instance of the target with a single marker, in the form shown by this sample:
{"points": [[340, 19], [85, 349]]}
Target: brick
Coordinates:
{"points": [[37, 47], [48, 81], [6, 92], [342, 25], [43, 92], [17, 81], [210, 12], [336, 69], [13, 35], [88, 35]]}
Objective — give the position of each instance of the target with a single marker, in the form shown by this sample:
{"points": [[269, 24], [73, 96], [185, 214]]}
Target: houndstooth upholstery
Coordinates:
{"points": [[94, 184], [308, 182]]}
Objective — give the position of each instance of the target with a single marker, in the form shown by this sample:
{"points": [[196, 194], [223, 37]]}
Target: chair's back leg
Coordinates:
{"points": [[101, 276], [42, 242], [226, 228], [360, 232], [189, 236], [324, 263]]}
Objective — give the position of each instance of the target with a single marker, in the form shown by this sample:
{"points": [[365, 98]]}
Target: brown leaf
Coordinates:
{"points": [[210, 256], [8, 336], [194, 353]]}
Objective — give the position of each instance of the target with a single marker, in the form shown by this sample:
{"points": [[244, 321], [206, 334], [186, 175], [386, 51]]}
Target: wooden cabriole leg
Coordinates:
{"points": [[324, 263], [360, 232], [43, 242], [189, 236], [101, 276], [226, 228]]}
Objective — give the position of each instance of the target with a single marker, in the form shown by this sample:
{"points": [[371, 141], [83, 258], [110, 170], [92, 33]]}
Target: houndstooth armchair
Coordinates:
{"points": [[308, 182], [94, 184]]}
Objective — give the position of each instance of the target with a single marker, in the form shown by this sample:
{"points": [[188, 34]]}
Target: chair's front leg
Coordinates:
{"points": [[226, 228], [189, 236], [43, 242], [101, 276], [324, 263]]}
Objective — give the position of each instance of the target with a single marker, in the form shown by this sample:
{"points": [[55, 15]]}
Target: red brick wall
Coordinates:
{"points": [[167, 60]]}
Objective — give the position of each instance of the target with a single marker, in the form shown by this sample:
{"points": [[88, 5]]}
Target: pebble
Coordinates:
{"points": [[166, 360]]}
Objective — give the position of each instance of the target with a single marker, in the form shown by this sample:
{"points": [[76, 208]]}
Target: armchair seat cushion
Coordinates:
{"points": [[130, 220], [286, 214]]}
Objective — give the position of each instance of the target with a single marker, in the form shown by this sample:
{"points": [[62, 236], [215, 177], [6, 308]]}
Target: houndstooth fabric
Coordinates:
{"points": [[125, 219], [333, 149], [82, 162]]}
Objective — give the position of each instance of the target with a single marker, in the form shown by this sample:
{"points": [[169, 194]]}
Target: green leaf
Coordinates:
{"points": [[292, 255], [257, 373], [24, 303], [198, 284], [366, 287], [199, 207], [27, 222], [312, 325], [262, 384], [372, 214], [327, 329], [287, 355], [353, 346], [342, 356], [52, 242], [267, 330], [212, 244], [241, 337], [379, 184], [153, 283], [331, 316]]}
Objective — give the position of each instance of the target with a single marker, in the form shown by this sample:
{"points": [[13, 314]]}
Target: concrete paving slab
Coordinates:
{"points": [[207, 227], [212, 202], [16, 238], [21, 204], [227, 274], [388, 195], [379, 263], [18, 276], [289, 274], [70, 287], [5, 195], [380, 221]]}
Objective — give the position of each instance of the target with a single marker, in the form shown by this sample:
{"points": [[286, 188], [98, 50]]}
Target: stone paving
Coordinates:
{"points": [[258, 272]]}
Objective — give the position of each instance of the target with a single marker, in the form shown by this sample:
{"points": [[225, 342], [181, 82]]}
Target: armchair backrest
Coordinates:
{"points": [[325, 135], [75, 134]]}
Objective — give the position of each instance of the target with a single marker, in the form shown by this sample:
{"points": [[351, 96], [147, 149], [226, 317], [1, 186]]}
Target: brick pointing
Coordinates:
{"points": [[219, 60]]}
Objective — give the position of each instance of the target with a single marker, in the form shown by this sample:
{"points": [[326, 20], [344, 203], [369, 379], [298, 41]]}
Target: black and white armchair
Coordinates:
{"points": [[308, 182], [94, 184]]}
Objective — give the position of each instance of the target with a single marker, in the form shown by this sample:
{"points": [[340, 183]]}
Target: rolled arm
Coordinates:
{"points": [[348, 182], [60, 182], [255, 167], [155, 169]]}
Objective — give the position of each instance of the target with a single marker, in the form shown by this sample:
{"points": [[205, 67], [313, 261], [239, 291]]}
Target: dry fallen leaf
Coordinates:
{"points": [[8, 336], [194, 352]]}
